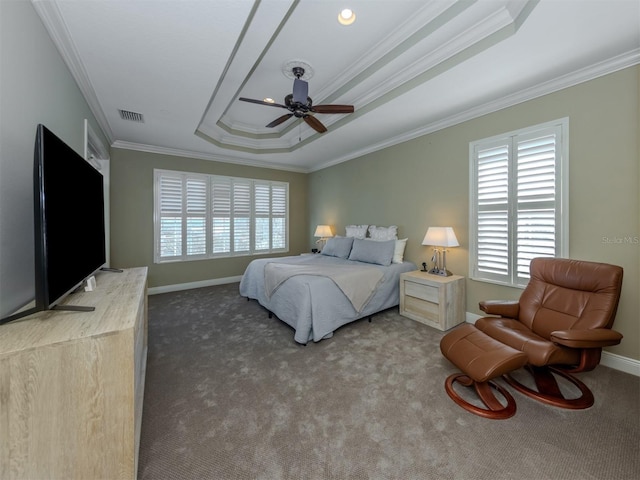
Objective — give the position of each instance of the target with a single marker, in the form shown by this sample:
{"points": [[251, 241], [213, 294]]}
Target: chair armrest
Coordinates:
{"points": [[595, 338], [504, 308]]}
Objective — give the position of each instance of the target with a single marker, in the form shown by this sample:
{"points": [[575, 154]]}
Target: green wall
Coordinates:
{"points": [[131, 176], [425, 182]]}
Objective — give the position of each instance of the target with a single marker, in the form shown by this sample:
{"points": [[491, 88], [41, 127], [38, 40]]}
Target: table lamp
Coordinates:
{"points": [[324, 232], [440, 237]]}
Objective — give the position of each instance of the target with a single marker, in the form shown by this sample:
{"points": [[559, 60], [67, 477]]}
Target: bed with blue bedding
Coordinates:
{"points": [[318, 293]]}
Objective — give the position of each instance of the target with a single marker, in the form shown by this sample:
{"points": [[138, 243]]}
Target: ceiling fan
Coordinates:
{"points": [[300, 105]]}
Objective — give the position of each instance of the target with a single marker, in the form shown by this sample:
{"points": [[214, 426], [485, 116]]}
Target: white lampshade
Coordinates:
{"points": [[323, 231], [440, 237]]}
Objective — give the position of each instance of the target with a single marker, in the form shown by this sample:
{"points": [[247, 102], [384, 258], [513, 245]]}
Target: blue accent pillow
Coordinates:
{"points": [[371, 251], [338, 247]]}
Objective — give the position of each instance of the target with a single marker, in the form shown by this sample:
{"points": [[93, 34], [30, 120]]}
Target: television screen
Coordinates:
{"points": [[69, 219]]}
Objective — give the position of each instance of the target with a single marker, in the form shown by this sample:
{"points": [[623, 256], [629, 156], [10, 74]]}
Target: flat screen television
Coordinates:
{"points": [[69, 221]]}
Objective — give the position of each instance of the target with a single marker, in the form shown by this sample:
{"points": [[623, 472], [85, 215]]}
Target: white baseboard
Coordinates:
{"points": [[611, 360], [188, 286], [618, 362]]}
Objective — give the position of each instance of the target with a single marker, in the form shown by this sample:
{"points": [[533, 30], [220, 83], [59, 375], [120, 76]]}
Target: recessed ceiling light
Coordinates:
{"points": [[269, 100], [346, 17]]}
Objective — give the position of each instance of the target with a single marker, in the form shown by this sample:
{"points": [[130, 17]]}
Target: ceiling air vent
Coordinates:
{"points": [[131, 116]]}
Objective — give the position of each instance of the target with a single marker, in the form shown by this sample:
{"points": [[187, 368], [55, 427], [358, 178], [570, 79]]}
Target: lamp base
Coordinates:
{"points": [[441, 272]]}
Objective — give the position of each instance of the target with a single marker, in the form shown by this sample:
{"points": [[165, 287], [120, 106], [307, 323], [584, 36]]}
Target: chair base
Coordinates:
{"points": [[548, 390], [495, 409]]}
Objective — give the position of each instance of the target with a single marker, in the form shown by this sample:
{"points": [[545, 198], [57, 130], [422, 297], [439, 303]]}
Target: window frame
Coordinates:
{"points": [[559, 128], [218, 183]]}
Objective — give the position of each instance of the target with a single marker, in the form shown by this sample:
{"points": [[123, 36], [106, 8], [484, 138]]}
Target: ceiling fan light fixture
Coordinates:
{"points": [[269, 100], [346, 17]]}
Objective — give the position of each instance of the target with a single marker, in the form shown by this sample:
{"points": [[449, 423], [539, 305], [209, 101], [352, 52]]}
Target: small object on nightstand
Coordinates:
{"points": [[314, 250]]}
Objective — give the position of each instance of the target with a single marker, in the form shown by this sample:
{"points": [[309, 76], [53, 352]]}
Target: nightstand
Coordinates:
{"points": [[433, 300]]}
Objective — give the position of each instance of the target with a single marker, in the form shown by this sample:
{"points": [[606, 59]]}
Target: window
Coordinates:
{"points": [[200, 216], [518, 201]]}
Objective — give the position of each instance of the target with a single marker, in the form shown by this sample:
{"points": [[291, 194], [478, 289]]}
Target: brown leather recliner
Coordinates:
{"points": [[562, 321]]}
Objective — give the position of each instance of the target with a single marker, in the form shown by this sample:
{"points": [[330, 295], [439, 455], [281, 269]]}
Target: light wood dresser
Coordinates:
{"points": [[433, 300], [72, 385]]}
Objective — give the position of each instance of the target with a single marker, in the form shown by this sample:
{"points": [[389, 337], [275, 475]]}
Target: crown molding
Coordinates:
{"points": [[176, 152], [592, 72], [49, 13]]}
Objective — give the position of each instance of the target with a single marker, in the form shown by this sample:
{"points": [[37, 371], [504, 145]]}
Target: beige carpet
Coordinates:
{"points": [[230, 395]]}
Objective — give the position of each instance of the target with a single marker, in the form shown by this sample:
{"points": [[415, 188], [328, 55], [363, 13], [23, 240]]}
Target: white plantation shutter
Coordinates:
{"points": [[221, 215], [279, 202], [206, 216], [270, 227], [536, 196], [196, 216], [242, 217], [518, 202], [181, 213], [169, 236], [492, 216], [262, 217]]}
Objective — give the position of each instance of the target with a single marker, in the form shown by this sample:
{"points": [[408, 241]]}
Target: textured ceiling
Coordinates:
{"points": [[409, 67]]}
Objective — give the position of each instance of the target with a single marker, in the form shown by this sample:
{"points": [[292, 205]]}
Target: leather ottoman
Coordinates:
{"points": [[481, 359]]}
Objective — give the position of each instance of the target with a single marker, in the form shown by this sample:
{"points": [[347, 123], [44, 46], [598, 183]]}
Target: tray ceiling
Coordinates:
{"points": [[409, 67]]}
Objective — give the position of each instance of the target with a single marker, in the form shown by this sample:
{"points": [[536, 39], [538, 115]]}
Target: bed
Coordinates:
{"points": [[318, 293]]}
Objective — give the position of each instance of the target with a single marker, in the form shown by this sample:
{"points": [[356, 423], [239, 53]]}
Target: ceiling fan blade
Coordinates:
{"points": [[332, 108], [314, 123], [262, 102], [279, 120], [300, 91]]}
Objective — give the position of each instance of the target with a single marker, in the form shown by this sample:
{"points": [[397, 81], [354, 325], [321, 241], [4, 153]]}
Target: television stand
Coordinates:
{"points": [[72, 385]]}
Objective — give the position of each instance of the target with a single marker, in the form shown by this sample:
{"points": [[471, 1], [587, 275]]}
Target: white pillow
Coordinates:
{"points": [[356, 231], [383, 233], [398, 254]]}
